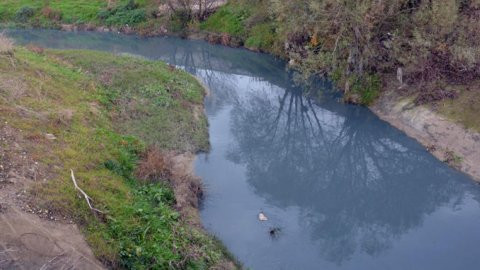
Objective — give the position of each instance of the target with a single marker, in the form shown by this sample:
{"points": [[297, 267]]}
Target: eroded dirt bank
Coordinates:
{"points": [[32, 238], [446, 140]]}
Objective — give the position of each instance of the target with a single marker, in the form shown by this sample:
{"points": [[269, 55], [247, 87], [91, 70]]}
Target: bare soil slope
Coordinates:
{"points": [[30, 237]]}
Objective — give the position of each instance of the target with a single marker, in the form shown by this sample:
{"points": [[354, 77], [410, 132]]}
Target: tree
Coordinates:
{"points": [[198, 9]]}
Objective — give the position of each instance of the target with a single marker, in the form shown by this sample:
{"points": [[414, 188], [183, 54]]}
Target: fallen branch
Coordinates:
{"points": [[87, 198], [44, 267]]}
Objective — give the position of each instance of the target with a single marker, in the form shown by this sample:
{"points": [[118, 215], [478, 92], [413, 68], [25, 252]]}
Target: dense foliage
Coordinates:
{"points": [[430, 44], [128, 13]]}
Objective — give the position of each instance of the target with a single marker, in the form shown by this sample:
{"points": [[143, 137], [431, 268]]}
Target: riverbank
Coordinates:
{"points": [[446, 140], [452, 131], [127, 128], [227, 27], [438, 109]]}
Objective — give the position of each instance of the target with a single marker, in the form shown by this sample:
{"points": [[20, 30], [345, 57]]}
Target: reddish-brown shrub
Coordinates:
{"points": [[35, 48], [154, 166], [51, 14]]}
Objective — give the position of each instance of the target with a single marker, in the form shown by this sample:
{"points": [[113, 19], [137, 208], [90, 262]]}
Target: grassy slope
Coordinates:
{"points": [[243, 21], [99, 106], [71, 10], [47, 13], [465, 108]]}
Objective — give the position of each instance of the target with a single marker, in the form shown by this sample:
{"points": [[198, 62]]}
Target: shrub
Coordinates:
{"points": [[179, 20], [130, 17], [228, 19], [24, 14], [431, 40], [35, 48], [368, 87], [129, 13], [51, 14], [262, 36], [156, 165]]}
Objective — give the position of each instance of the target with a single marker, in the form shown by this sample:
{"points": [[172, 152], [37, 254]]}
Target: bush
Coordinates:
{"points": [[24, 14], [51, 14], [179, 20], [261, 37], [368, 87], [130, 17], [228, 19], [430, 40], [127, 14], [155, 166]]}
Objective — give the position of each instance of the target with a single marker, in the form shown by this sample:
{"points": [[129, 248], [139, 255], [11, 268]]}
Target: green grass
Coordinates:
{"points": [[367, 88], [159, 109], [464, 109], [261, 37], [72, 11], [128, 13], [77, 12], [100, 106], [228, 19]]}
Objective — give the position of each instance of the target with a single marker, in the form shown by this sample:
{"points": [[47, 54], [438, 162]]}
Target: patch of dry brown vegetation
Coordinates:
{"points": [[35, 48], [176, 170], [155, 165], [12, 87], [6, 44], [52, 14]]}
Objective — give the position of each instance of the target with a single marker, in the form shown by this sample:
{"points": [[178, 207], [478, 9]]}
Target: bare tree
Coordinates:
{"points": [[195, 8]]}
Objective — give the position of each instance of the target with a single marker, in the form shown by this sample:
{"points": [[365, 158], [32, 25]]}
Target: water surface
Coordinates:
{"points": [[347, 190]]}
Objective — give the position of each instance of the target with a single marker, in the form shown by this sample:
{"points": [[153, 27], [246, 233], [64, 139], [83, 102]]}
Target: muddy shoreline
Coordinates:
{"points": [[446, 140]]}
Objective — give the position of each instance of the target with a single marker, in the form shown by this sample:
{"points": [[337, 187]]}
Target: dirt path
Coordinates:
{"points": [[28, 238], [446, 140]]}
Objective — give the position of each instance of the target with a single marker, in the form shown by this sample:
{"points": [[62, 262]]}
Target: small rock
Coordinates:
{"points": [[50, 136]]}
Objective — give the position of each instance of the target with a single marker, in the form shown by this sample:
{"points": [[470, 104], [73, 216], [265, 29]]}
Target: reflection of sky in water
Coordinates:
{"points": [[347, 190]]}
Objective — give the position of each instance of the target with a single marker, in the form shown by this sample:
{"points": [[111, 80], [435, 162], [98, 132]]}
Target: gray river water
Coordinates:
{"points": [[345, 189]]}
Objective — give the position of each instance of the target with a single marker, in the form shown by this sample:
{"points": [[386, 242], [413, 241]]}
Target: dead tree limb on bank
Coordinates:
{"points": [[87, 198]]}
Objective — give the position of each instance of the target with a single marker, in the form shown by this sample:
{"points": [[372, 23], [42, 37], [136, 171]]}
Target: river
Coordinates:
{"points": [[342, 188]]}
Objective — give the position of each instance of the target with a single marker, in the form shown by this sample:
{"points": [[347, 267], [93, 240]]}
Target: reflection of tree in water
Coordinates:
{"points": [[200, 64], [358, 182]]}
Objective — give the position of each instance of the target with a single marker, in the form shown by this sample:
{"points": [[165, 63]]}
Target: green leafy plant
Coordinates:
{"points": [[368, 87], [262, 36], [24, 14], [126, 14]]}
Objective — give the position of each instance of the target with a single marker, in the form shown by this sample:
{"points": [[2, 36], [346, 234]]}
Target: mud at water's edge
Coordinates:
{"points": [[442, 137]]}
